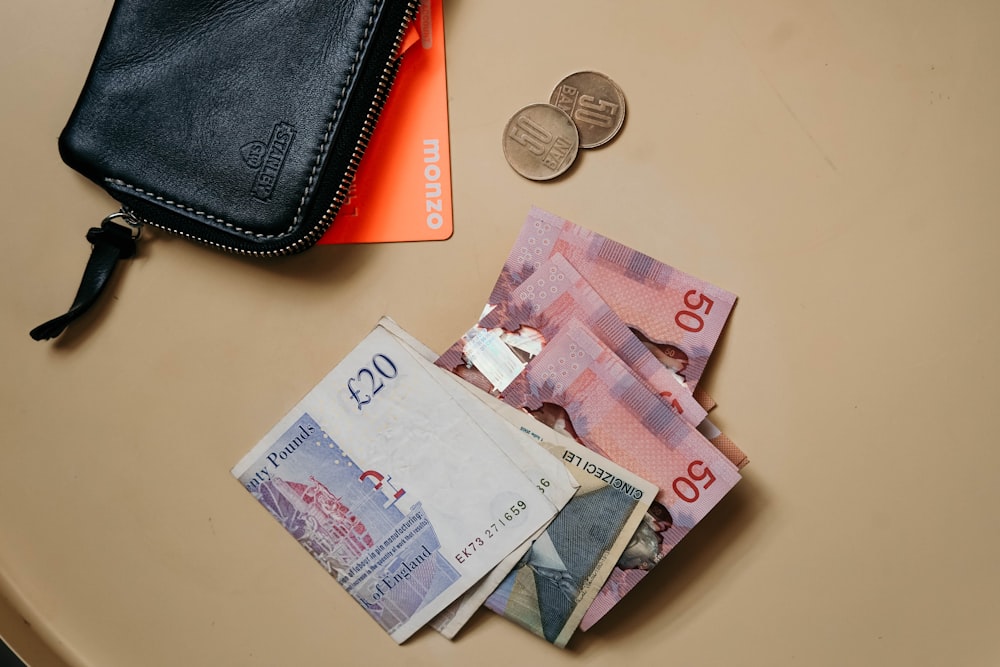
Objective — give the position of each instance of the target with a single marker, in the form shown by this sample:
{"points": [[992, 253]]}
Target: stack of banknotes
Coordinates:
{"points": [[539, 467]]}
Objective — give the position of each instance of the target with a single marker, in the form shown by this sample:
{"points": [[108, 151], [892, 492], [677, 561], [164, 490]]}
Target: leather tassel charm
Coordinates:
{"points": [[110, 243]]}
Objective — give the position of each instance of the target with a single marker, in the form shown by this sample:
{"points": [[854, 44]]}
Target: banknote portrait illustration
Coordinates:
{"points": [[543, 590], [644, 549]]}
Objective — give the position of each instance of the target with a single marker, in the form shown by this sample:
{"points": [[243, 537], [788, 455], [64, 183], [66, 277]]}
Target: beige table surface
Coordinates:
{"points": [[834, 163]]}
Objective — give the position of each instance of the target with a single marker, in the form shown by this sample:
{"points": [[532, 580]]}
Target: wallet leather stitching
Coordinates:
{"points": [[323, 150]]}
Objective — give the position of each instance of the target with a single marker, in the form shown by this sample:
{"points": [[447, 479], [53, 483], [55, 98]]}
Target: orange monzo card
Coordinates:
{"points": [[402, 191]]}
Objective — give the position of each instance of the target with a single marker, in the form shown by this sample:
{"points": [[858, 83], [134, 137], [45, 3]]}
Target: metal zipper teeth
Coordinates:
{"points": [[383, 86]]}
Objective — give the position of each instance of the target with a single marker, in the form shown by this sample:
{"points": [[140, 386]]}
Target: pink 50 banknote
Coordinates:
{"points": [[529, 315], [678, 316]]}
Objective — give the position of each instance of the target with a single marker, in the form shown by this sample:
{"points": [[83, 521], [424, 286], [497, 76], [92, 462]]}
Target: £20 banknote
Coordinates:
{"points": [[392, 487]]}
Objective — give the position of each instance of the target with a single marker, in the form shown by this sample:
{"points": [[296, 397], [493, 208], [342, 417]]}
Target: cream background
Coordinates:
{"points": [[834, 163]]}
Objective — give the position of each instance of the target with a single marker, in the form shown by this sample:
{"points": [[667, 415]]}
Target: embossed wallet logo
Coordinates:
{"points": [[267, 159]]}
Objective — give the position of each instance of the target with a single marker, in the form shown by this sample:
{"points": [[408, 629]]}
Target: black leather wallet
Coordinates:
{"points": [[238, 123]]}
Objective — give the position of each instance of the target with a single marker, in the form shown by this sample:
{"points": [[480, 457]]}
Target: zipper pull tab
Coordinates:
{"points": [[110, 243]]}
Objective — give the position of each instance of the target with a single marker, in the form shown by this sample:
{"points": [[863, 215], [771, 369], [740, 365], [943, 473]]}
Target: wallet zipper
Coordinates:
{"points": [[112, 241], [383, 86]]}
